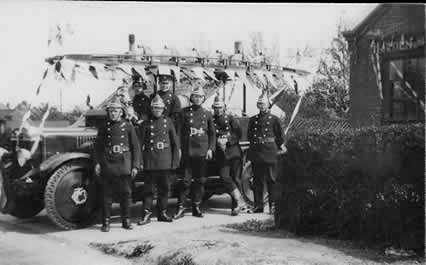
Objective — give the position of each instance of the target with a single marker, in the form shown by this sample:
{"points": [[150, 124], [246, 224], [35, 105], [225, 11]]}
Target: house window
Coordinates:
{"points": [[406, 89]]}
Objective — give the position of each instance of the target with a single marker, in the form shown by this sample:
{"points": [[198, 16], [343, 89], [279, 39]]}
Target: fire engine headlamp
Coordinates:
{"points": [[23, 155]]}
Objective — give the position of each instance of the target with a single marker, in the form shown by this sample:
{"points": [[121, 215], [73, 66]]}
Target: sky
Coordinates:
{"points": [[103, 27]]}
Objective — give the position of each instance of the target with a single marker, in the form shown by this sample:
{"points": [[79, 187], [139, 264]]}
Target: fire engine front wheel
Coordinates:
{"points": [[72, 195]]}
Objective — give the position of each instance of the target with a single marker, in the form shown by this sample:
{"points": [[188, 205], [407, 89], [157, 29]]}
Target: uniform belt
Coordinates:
{"points": [[119, 149], [263, 140], [161, 145], [195, 131]]}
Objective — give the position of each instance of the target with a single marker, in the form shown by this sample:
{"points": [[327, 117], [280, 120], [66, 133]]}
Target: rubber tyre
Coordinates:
{"points": [[60, 208]]}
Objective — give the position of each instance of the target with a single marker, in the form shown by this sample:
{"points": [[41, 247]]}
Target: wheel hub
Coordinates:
{"points": [[79, 196]]}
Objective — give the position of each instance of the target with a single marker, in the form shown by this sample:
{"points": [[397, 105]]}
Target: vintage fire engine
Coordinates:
{"points": [[52, 168]]}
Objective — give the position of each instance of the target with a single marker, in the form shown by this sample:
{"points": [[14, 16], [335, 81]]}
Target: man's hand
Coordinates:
{"points": [[98, 169], [180, 154], [209, 154], [283, 150], [134, 172]]}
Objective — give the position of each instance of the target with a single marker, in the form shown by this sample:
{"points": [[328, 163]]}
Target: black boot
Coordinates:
{"points": [[180, 212], [105, 225], [126, 224], [163, 217], [258, 210], [196, 211], [146, 218]]}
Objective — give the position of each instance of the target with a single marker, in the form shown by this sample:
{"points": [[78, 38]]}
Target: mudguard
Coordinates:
{"points": [[48, 166]]}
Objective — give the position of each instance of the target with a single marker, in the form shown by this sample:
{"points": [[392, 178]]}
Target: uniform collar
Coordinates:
{"points": [[155, 118], [263, 113], [114, 122], [162, 93], [195, 107]]}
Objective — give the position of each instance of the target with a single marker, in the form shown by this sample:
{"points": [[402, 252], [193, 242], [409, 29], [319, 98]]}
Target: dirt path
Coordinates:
{"points": [[217, 239]]}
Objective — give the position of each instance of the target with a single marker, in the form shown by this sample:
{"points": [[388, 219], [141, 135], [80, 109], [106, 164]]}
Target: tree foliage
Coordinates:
{"points": [[331, 86]]}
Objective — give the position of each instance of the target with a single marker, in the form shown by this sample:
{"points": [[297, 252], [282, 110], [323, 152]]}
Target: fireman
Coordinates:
{"points": [[172, 106], [140, 102], [228, 154], [161, 153], [117, 156], [266, 138], [198, 142]]}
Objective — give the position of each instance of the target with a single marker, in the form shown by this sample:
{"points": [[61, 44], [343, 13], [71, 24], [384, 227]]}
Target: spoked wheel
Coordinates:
{"points": [[247, 185], [72, 195]]}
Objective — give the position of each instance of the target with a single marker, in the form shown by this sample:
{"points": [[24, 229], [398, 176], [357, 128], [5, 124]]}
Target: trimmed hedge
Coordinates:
{"points": [[362, 184]]}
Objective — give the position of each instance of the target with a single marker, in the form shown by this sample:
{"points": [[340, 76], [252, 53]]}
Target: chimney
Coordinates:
{"points": [[238, 47], [132, 43]]}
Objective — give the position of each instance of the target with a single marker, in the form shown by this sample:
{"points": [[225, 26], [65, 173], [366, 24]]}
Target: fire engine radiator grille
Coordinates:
{"points": [[85, 139]]}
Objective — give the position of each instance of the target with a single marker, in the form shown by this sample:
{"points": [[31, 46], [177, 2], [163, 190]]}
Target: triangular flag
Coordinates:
{"points": [[125, 69], [45, 73], [58, 66], [210, 74], [73, 73], [92, 69], [38, 89]]}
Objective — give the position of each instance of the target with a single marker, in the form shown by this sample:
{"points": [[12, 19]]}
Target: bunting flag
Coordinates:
{"points": [[210, 74], [125, 69], [92, 69], [38, 89], [88, 102], [73, 72]]}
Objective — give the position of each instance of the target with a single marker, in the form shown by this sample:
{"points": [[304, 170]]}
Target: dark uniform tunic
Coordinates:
{"points": [[117, 150], [160, 145], [228, 161], [141, 105], [265, 135], [172, 108], [198, 136]]}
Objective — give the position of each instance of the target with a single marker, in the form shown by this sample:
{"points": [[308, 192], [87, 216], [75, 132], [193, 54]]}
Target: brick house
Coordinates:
{"points": [[387, 66]]}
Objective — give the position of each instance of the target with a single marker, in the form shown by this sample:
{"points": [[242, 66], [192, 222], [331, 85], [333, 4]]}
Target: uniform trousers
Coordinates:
{"points": [[230, 173], [194, 177], [118, 187], [262, 172], [156, 179]]}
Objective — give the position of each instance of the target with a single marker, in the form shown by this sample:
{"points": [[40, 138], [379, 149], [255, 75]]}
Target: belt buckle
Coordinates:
{"points": [[116, 149], [193, 131], [160, 145]]}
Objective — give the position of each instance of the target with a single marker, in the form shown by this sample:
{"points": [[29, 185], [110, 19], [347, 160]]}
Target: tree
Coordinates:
{"points": [[332, 83]]}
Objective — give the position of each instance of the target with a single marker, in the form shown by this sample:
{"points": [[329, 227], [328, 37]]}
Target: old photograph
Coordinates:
{"points": [[165, 133]]}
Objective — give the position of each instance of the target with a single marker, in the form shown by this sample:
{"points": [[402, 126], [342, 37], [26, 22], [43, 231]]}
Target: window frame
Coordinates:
{"points": [[387, 114]]}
